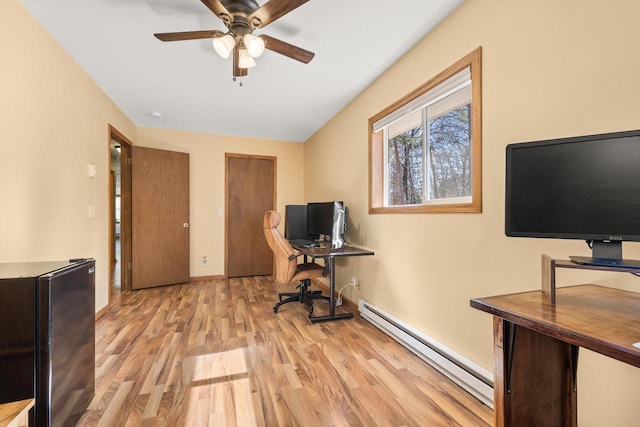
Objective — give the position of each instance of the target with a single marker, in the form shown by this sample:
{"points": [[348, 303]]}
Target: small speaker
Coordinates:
{"points": [[295, 222]]}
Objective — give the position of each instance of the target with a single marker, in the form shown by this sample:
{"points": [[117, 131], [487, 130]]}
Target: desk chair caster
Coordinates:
{"points": [[304, 296]]}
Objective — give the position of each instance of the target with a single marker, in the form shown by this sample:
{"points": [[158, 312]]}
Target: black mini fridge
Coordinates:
{"points": [[47, 338]]}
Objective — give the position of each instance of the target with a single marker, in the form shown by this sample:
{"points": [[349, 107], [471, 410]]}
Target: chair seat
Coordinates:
{"points": [[307, 270]]}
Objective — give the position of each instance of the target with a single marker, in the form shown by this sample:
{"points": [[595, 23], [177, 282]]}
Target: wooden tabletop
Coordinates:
{"points": [[12, 412], [598, 318]]}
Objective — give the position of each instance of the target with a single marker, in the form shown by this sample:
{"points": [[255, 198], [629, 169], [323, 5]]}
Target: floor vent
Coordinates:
{"points": [[473, 378]]}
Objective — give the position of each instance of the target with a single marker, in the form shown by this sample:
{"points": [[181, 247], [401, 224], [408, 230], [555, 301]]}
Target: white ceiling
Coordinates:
{"points": [[354, 42]]}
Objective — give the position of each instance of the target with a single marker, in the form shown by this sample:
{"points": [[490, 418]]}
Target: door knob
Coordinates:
{"points": [[185, 225]]}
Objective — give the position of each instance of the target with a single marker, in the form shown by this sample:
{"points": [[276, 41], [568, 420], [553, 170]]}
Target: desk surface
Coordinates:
{"points": [[325, 251], [601, 319], [15, 413]]}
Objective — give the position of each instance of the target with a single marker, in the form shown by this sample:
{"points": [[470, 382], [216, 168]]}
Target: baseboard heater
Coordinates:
{"points": [[473, 378]]}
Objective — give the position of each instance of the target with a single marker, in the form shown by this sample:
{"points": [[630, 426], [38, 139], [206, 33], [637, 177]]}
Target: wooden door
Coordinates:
{"points": [[112, 220], [125, 262], [160, 217], [251, 190]]}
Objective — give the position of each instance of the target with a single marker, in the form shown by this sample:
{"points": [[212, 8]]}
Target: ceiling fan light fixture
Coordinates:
{"points": [[224, 45], [242, 18], [255, 45], [245, 60]]}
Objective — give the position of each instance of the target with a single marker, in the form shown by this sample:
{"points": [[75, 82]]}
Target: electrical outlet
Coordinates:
{"points": [[355, 282], [205, 260]]}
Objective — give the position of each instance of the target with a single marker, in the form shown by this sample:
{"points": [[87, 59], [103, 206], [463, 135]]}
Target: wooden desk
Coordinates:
{"points": [[536, 348], [15, 414], [329, 255]]}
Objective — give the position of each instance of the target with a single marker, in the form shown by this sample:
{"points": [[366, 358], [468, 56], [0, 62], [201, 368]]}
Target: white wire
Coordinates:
{"points": [[340, 291]]}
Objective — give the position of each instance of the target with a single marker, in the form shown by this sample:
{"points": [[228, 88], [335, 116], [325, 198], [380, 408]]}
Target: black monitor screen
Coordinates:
{"points": [[575, 188], [320, 218], [295, 222]]}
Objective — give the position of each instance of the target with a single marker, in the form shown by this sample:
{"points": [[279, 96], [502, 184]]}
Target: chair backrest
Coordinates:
{"points": [[282, 249]]}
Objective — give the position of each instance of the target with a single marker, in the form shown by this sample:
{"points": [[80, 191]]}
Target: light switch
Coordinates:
{"points": [[92, 211], [220, 212], [93, 171]]}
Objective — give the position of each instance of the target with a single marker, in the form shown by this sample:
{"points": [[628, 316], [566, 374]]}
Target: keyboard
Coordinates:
{"points": [[300, 242]]}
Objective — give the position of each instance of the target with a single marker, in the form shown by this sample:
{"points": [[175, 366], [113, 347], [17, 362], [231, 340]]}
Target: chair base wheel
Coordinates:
{"points": [[304, 296]]}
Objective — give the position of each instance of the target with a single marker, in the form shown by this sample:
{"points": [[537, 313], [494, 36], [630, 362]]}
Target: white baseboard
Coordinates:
{"points": [[468, 375]]}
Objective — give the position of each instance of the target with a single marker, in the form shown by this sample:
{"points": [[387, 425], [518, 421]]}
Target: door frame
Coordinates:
{"points": [[125, 209], [228, 156]]}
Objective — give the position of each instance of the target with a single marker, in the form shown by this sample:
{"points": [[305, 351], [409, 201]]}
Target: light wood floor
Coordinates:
{"points": [[214, 353]]}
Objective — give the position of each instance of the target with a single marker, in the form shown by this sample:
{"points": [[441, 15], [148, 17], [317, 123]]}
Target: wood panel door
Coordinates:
{"points": [[251, 190], [160, 217], [123, 270]]}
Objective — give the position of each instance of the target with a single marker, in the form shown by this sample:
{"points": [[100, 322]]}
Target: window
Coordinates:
{"points": [[425, 149]]}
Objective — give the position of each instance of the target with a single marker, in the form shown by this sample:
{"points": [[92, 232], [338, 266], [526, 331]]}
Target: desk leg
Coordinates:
{"points": [[534, 380], [332, 297]]}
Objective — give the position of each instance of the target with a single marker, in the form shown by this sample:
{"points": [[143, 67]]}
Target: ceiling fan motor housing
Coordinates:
{"points": [[240, 8]]}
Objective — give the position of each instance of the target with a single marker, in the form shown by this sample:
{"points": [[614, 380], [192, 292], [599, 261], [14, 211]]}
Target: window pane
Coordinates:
{"points": [[450, 154], [405, 161]]}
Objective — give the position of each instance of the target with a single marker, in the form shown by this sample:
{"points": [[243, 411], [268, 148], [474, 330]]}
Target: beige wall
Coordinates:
{"points": [[207, 172], [53, 124], [550, 69]]}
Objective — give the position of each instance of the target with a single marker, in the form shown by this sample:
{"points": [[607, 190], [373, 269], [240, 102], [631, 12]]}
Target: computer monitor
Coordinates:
{"points": [[319, 219], [328, 219], [339, 225], [295, 222], [585, 188]]}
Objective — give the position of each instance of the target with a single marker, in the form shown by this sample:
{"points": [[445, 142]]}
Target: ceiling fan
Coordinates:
{"points": [[242, 17]]}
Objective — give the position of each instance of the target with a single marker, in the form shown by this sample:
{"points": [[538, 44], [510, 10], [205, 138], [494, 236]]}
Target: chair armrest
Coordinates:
{"points": [[294, 256]]}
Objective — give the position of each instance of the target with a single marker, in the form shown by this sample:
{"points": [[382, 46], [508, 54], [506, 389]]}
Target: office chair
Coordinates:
{"points": [[287, 268]]}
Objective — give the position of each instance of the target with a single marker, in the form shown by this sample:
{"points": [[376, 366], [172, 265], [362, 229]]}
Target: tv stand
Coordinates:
{"points": [[606, 262], [549, 266], [610, 249], [537, 342], [536, 347]]}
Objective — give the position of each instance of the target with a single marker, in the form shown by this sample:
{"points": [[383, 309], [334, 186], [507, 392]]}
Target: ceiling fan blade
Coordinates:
{"points": [[286, 49], [237, 71], [188, 35], [273, 10], [218, 9]]}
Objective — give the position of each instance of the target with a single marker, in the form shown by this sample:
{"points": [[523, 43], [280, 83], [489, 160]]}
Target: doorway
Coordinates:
{"points": [[250, 191], [119, 213]]}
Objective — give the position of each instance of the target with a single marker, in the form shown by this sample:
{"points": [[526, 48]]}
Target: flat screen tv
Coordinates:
{"points": [[585, 188]]}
